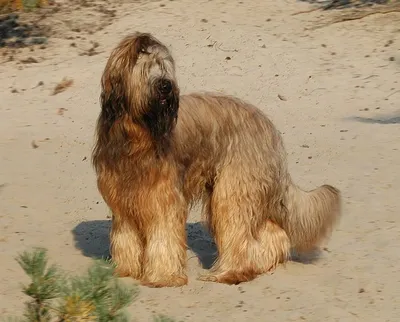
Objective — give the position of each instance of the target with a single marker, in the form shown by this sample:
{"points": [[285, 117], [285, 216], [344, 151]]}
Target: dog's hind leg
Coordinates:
{"points": [[275, 243], [248, 243]]}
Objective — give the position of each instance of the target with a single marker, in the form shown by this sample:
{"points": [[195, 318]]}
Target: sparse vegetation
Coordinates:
{"points": [[20, 5], [55, 296]]}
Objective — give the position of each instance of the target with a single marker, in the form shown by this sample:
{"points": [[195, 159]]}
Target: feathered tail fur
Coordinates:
{"points": [[311, 215]]}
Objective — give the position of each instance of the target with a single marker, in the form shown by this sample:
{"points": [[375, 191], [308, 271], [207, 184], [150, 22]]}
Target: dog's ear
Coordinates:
{"points": [[113, 96]]}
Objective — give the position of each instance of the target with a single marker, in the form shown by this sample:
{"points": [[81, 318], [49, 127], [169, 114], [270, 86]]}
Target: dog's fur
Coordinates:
{"points": [[157, 153]]}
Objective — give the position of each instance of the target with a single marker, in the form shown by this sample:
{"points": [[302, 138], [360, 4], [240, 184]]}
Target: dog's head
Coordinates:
{"points": [[139, 81]]}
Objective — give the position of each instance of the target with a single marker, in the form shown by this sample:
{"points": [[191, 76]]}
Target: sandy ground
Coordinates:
{"points": [[333, 92]]}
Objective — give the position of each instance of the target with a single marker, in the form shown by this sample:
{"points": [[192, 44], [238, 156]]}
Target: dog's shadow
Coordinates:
{"points": [[92, 238]]}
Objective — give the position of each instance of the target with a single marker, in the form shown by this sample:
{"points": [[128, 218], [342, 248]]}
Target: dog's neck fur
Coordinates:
{"points": [[148, 136]]}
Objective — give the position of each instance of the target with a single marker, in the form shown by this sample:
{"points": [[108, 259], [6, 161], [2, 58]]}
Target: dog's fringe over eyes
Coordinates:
{"points": [[158, 152]]}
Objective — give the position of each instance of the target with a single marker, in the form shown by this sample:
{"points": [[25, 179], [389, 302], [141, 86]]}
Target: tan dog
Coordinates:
{"points": [[158, 152]]}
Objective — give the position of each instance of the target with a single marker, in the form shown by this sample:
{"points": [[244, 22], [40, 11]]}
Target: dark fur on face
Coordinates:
{"points": [[124, 107], [163, 109]]}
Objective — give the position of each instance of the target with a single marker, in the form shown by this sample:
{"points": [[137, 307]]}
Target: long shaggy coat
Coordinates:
{"points": [[158, 152]]}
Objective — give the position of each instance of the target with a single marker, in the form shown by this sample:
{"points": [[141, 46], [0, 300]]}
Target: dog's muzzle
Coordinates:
{"points": [[164, 86]]}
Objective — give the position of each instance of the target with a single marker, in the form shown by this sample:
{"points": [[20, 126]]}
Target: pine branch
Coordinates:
{"points": [[43, 287], [97, 296]]}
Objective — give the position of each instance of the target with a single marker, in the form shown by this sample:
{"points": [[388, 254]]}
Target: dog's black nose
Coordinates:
{"points": [[165, 86]]}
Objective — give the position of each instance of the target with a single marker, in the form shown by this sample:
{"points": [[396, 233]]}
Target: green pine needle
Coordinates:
{"points": [[44, 280]]}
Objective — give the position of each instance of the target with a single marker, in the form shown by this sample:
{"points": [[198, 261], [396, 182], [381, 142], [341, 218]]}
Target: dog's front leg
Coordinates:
{"points": [[165, 236], [126, 246]]}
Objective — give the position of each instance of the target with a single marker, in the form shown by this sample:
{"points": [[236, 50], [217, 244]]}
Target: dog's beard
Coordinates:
{"points": [[164, 101], [162, 114]]}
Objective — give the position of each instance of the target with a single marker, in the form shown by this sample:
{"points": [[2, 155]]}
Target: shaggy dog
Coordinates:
{"points": [[158, 152]]}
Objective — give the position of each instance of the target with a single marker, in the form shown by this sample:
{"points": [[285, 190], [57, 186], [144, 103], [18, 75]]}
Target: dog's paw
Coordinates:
{"points": [[224, 278], [230, 277], [208, 278], [170, 281], [126, 272]]}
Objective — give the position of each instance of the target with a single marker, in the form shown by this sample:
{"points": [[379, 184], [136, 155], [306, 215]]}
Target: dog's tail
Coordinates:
{"points": [[311, 215]]}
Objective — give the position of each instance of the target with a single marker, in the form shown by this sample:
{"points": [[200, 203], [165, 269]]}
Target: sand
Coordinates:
{"points": [[333, 92]]}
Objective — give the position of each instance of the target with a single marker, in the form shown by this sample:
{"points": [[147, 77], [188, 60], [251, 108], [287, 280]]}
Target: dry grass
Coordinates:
{"points": [[62, 86]]}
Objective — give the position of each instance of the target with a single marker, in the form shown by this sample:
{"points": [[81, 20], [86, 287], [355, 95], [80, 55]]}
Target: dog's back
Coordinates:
{"points": [[225, 124]]}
